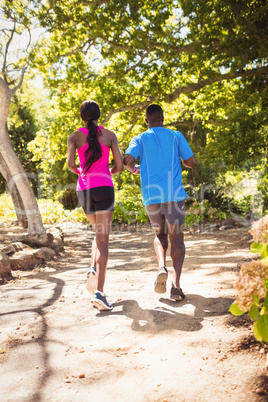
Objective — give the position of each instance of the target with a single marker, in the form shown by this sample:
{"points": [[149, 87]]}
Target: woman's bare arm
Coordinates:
{"points": [[118, 163], [71, 154]]}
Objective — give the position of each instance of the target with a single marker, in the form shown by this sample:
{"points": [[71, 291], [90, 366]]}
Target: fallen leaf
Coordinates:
{"points": [[82, 375]]}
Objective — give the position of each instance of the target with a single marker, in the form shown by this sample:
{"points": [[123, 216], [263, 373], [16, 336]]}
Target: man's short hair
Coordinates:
{"points": [[154, 111]]}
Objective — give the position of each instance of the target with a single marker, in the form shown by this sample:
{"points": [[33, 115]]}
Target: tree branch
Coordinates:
{"points": [[215, 122], [117, 45], [178, 49], [179, 123], [95, 2], [188, 89], [16, 87], [132, 125], [127, 108], [6, 50], [201, 84]]}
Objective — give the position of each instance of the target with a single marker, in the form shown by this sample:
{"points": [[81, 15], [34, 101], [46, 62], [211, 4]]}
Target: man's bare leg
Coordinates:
{"points": [[161, 244], [177, 251]]}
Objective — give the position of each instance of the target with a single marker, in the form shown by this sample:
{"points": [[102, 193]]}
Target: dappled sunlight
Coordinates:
{"points": [[123, 250], [190, 243], [223, 264], [235, 254]]}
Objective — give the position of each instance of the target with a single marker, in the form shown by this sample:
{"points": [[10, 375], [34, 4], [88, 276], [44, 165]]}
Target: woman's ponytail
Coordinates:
{"points": [[90, 111]]}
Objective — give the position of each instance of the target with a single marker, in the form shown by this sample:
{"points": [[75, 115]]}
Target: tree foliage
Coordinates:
{"points": [[204, 62]]}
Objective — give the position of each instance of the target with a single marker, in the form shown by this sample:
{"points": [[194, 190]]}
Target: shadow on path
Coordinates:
{"points": [[165, 319], [41, 340]]}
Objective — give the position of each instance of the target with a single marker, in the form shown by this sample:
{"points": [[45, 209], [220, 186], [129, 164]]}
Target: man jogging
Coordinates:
{"points": [[161, 151]]}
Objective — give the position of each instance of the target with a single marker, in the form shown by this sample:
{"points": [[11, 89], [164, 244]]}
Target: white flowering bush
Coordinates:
{"points": [[259, 230], [51, 211], [77, 215], [252, 283]]}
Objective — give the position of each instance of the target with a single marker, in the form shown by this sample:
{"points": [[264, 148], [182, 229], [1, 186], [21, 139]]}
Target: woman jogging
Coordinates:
{"points": [[95, 190]]}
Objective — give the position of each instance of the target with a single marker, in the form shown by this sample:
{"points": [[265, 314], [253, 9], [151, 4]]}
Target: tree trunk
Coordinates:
{"points": [[17, 201], [19, 179]]}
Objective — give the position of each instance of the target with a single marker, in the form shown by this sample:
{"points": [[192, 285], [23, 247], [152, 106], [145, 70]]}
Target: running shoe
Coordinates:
{"points": [[91, 279], [176, 293], [160, 283], [99, 300]]}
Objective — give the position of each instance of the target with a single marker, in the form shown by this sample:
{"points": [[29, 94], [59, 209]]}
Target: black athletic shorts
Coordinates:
{"points": [[96, 199], [169, 212]]}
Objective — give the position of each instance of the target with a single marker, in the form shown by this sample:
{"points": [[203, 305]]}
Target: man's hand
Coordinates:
{"points": [[136, 170]]}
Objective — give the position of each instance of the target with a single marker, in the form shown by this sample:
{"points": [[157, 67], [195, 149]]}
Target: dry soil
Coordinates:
{"points": [[55, 347]]}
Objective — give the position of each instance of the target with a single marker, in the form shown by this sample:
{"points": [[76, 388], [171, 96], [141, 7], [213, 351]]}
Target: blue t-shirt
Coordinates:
{"points": [[160, 150]]}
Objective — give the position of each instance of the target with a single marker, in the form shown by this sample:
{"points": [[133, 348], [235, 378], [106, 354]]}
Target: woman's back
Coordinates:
{"points": [[98, 174]]}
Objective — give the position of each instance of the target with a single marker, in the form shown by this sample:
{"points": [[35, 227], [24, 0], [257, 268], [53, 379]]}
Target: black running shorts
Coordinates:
{"points": [[169, 212], [96, 199]]}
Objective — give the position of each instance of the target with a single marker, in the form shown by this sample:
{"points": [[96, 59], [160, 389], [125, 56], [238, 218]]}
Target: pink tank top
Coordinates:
{"points": [[98, 174]]}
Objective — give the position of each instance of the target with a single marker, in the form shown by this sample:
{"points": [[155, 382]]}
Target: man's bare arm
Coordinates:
{"points": [[189, 163], [129, 163]]}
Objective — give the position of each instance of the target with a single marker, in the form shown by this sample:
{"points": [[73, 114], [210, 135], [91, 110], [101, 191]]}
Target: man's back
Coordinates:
{"points": [[160, 150]]}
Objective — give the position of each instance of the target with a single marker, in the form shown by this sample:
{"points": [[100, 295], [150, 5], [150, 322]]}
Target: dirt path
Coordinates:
{"points": [[148, 348]]}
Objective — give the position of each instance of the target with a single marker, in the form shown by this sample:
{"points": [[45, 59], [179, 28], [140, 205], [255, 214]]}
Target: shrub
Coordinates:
{"points": [[51, 211], [128, 205], [252, 283], [7, 211], [69, 199], [77, 215], [199, 211]]}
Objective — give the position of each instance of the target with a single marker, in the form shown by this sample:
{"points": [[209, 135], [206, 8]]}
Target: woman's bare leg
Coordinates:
{"points": [[101, 222]]}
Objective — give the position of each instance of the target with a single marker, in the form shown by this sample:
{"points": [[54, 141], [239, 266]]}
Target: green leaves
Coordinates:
{"points": [[257, 247], [254, 312], [235, 310], [260, 328]]}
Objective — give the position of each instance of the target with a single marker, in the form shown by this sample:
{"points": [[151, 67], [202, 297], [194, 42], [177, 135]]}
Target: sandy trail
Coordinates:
{"points": [[148, 348]]}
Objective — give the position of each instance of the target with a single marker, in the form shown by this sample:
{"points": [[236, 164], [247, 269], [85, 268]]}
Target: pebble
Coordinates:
{"points": [[259, 391]]}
